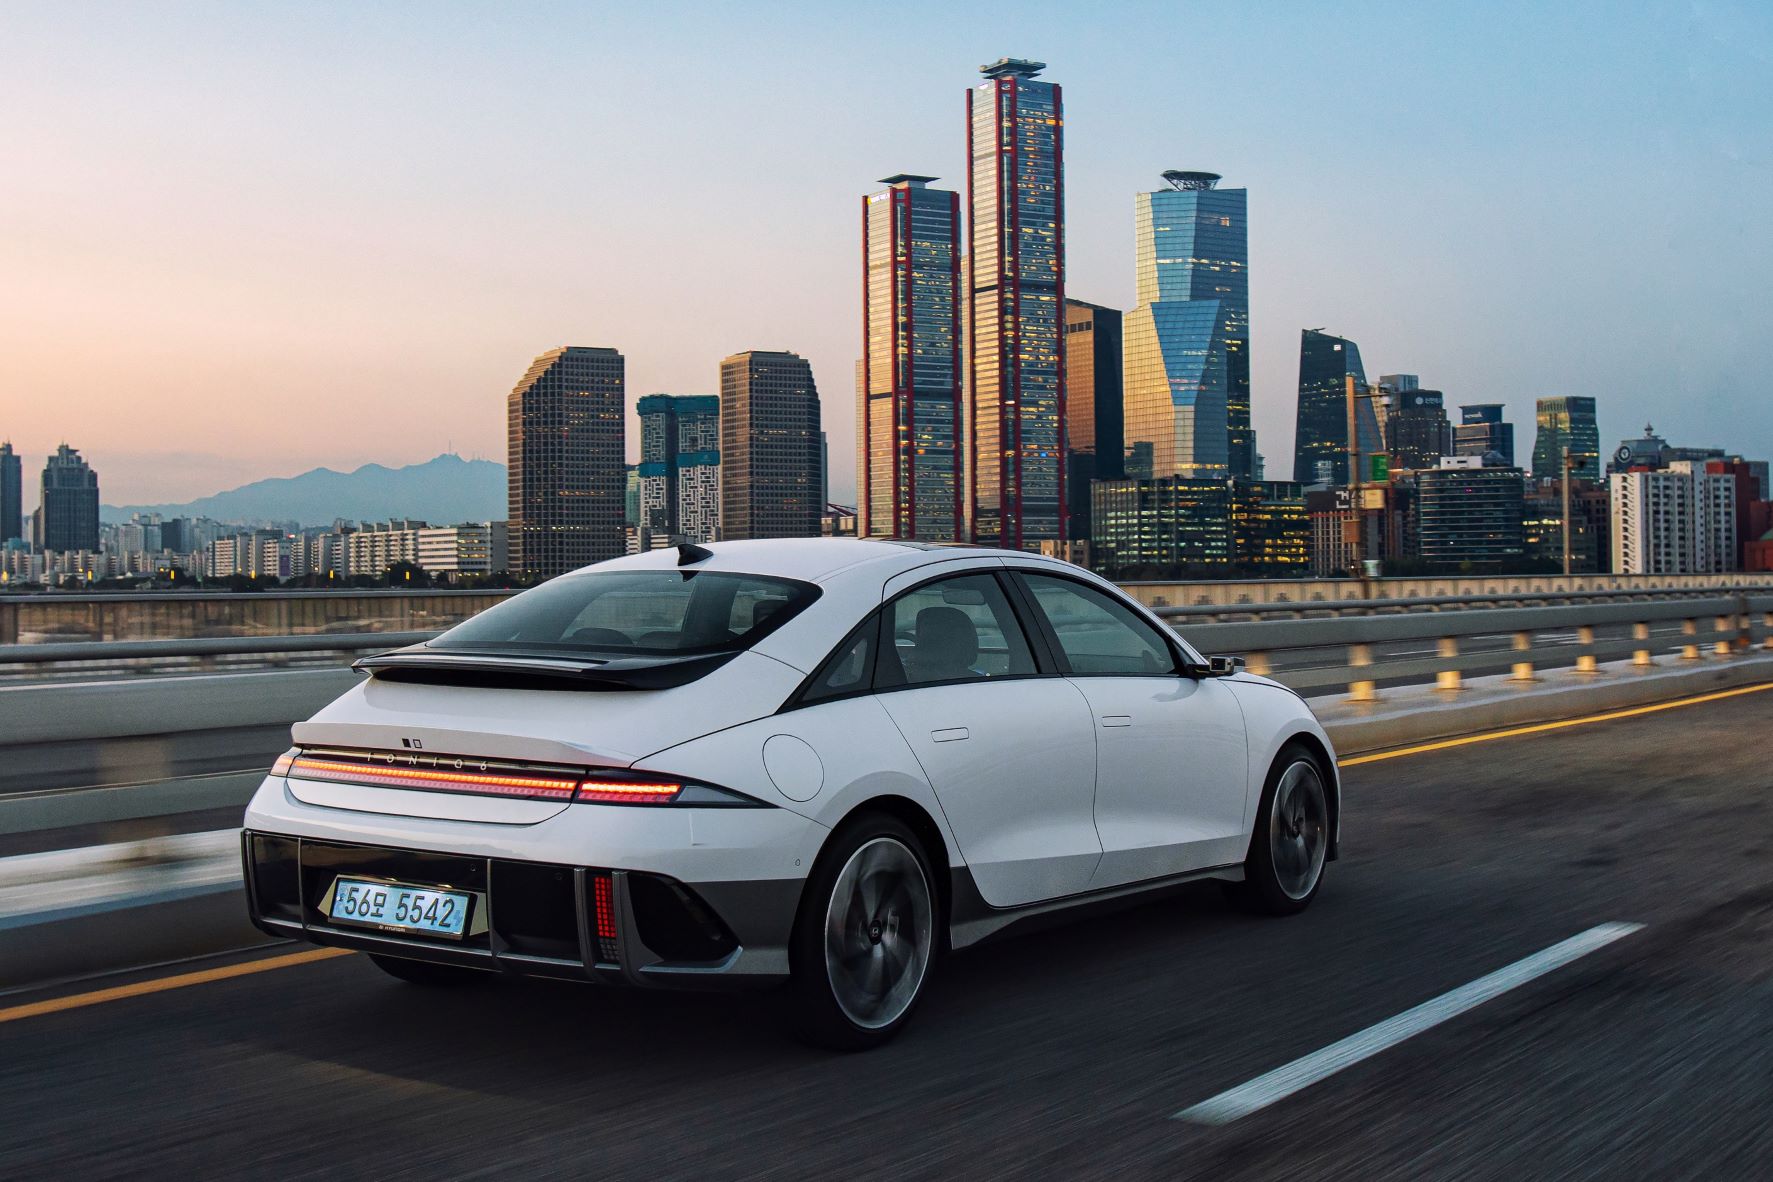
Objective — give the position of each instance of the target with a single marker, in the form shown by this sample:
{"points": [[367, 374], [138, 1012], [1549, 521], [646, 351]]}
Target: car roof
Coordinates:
{"points": [[820, 560]]}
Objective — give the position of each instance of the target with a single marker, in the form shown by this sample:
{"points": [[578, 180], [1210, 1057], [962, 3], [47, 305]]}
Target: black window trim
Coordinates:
{"points": [[1046, 659], [1050, 638]]}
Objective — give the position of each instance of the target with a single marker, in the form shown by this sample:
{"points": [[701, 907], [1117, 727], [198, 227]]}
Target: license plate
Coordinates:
{"points": [[400, 907]]}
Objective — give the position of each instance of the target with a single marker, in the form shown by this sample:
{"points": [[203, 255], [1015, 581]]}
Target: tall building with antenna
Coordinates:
{"points": [[1015, 282], [1187, 342], [909, 481]]}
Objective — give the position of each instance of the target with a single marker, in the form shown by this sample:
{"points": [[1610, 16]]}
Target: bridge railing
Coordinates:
{"points": [[1356, 653], [1314, 647]]}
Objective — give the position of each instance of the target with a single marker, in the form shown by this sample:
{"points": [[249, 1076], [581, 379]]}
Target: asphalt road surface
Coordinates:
{"points": [[1061, 1054]]}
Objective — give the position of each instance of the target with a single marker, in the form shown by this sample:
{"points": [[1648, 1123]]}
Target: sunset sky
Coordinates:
{"points": [[244, 240]]}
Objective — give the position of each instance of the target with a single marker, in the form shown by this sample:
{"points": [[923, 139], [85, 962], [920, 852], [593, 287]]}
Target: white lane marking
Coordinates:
{"points": [[1302, 1073]]}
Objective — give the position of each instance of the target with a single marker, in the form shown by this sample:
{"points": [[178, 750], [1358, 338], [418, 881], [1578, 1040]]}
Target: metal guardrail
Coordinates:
{"points": [[1308, 645], [1717, 625]]}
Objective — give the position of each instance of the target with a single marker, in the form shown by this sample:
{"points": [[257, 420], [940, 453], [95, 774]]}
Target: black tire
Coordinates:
{"points": [[833, 979], [1298, 840], [423, 972]]}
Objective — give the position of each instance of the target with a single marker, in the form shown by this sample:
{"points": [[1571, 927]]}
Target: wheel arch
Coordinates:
{"points": [[1326, 762], [923, 825]]}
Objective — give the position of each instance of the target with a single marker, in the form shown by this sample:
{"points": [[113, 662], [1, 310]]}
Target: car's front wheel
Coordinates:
{"points": [[866, 937], [1285, 865]]}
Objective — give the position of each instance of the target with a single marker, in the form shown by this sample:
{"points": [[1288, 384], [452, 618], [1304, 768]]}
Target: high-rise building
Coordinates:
{"points": [[1481, 430], [909, 484], [1417, 433], [567, 427], [1326, 363], [1469, 516], [1678, 521], [1015, 284], [1164, 527], [1187, 347], [1566, 422], [68, 511], [679, 472], [12, 494], [1270, 529], [1093, 406], [769, 447]]}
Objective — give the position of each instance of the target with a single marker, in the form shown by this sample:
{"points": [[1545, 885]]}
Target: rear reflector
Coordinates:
{"points": [[604, 902]]}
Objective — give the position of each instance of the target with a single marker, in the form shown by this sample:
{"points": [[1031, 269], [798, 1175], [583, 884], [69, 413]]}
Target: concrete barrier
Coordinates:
{"points": [[48, 712]]}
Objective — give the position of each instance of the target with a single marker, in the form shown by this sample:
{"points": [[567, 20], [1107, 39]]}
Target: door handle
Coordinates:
{"points": [[1117, 720], [949, 734]]}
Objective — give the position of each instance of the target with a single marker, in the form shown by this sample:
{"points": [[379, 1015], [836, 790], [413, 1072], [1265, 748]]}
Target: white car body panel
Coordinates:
{"points": [[1172, 775], [1013, 764]]}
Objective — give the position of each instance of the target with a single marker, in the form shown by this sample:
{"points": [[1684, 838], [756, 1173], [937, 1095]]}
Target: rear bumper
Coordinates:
{"points": [[536, 918]]}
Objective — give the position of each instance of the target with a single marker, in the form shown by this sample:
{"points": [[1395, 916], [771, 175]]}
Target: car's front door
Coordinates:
{"points": [[1172, 763], [1010, 754]]}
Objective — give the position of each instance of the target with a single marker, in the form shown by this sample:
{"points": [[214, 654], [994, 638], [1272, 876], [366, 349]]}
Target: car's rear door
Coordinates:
{"points": [[1010, 752], [1171, 764]]}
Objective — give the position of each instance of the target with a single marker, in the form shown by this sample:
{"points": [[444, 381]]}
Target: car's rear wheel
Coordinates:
{"points": [[423, 972], [866, 937], [1285, 865]]}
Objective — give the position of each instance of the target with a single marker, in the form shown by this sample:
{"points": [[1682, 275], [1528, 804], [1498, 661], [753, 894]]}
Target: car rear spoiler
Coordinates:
{"points": [[506, 671]]}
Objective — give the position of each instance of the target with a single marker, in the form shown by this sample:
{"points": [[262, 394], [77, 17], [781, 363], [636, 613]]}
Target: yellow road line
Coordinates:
{"points": [[180, 981], [161, 985], [1537, 728]]}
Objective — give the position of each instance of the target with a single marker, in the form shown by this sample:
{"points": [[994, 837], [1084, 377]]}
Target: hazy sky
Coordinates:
{"points": [[241, 240]]}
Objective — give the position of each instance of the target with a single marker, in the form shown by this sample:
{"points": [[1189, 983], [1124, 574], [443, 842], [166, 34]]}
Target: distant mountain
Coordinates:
{"points": [[443, 491]]}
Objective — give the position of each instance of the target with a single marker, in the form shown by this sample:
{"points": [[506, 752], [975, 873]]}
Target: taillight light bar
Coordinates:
{"points": [[480, 777]]}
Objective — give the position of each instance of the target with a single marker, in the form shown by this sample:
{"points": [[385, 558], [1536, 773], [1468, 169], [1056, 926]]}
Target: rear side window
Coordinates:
{"points": [[849, 669], [956, 629], [1097, 633], [634, 613]]}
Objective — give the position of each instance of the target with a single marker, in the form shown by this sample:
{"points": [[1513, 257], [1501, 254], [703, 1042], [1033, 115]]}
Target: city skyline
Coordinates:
{"points": [[371, 301]]}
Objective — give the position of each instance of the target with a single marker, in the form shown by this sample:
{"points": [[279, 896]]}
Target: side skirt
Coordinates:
{"points": [[972, 920]]}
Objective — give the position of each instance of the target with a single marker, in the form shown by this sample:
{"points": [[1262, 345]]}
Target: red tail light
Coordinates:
{"points": [[441, 776], [635, 790]]}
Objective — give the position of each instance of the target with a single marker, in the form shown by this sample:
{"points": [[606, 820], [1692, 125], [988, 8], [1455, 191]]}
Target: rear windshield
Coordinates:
{"points": [[636, 612]]}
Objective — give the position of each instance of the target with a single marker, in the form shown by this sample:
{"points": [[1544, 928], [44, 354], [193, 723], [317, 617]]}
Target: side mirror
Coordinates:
{"points": [[1215, 667]]}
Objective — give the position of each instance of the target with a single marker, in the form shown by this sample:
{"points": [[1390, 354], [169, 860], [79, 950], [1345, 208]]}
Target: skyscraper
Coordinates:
{"points": [[909, 485], [1016, 306], [1094, 407], [68, 513], [1566, 422], [1417, 433], [1187, 342], [12, 494], [769, 447], [567, 427], [1481, 430], [1325, 364], [679, 467]]}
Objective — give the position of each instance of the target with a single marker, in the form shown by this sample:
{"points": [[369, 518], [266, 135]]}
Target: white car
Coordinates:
{"points": [[825, 762]]}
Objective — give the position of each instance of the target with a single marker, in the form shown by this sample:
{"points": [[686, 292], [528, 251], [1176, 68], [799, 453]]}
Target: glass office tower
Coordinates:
{"points": [[1016, 306], [1326, 363], [12, 494], [909, 485], [1094, 434], [68, 503], [567, 425], [1566, 422], [1482, 430], [769, 447], [1187, 361]]}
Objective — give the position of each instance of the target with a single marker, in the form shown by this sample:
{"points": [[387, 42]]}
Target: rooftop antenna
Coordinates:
{"points": [[688, 553]]}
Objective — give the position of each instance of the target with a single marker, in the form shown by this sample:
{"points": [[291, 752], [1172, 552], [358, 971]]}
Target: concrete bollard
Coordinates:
{"points": [[1523, 668], [1360, 656], [1585, 662], [1642, 657], [1447, 679]]}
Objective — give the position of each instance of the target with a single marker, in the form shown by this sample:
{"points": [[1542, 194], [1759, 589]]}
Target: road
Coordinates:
{"points": [[1061, 1054]]}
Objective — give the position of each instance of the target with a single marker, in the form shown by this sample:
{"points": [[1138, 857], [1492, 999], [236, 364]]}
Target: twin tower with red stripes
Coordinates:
{"points": [[960, 416]]}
